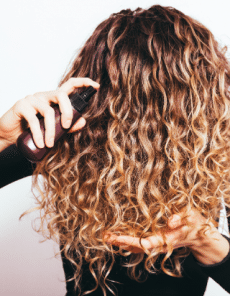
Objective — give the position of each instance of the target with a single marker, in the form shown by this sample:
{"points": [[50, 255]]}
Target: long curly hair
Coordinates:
{"points": [[156, 142]]}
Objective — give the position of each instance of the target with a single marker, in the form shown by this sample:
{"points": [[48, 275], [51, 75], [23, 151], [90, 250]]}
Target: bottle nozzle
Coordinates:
{"points": [[80, 101], [88, 93]]}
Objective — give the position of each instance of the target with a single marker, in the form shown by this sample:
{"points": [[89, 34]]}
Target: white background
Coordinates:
{"points": [[38, 40]]}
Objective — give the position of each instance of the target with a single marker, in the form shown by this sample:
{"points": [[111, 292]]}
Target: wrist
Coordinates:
{"points": [[212, 249], [4, 144]]}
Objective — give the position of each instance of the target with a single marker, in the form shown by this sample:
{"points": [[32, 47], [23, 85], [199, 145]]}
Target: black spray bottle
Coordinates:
{"points": [[25, 141]]}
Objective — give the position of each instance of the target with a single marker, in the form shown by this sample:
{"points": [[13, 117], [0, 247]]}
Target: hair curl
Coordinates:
{"points": [[156, 140]]}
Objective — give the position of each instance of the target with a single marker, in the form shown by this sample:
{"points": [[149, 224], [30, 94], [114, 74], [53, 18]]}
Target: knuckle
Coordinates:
{"points": [[61, 93], [52, 93], [20, 104], [62, 97], [39, 95], [29, 97]]}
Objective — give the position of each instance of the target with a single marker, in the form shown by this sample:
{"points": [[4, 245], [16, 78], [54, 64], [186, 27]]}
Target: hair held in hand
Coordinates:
{"points": [[156, 141]]}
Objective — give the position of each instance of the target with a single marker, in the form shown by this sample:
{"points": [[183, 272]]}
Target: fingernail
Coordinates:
{"points": [[67, 123], [81, 121], [51, 142], [41, 143]]}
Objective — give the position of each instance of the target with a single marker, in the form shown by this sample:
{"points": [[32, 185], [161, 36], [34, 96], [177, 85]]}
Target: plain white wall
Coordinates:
{"points": [[38, 40]]}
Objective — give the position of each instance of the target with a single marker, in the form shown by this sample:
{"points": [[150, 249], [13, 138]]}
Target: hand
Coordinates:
{"points": [[178, 234], [26, 109]]}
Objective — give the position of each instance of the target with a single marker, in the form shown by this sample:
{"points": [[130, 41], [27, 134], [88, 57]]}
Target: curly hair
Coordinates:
{"points": [[156, 142]]}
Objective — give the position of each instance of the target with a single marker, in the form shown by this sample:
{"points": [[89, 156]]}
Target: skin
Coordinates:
{"points": [[28, 107], [209, 250]]}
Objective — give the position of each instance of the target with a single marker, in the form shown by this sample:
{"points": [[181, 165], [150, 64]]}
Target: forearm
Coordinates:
{"points": [[213, 249]]}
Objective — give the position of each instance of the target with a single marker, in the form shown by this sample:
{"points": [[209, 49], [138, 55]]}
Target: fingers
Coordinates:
{"points": [[61, 98], [78, 125], [73, 83], [175, 238], [179, 235], [40, 103], [49, 120], [174, 221], [25, 110], [124, 240]]}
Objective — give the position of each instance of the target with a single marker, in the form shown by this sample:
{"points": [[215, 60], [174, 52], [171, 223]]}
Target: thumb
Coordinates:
{"points": [[174, 221], [80, 123]]}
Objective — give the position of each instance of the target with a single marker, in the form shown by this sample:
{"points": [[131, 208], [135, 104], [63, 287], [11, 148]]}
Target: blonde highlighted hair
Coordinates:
{"points": [[156, 141]]}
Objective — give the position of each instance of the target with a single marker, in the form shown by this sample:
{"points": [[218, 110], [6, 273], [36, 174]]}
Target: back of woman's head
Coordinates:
{"points": [[155, 142]]}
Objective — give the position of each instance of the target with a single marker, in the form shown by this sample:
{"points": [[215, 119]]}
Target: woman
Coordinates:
{"points": [[139, 188]]}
